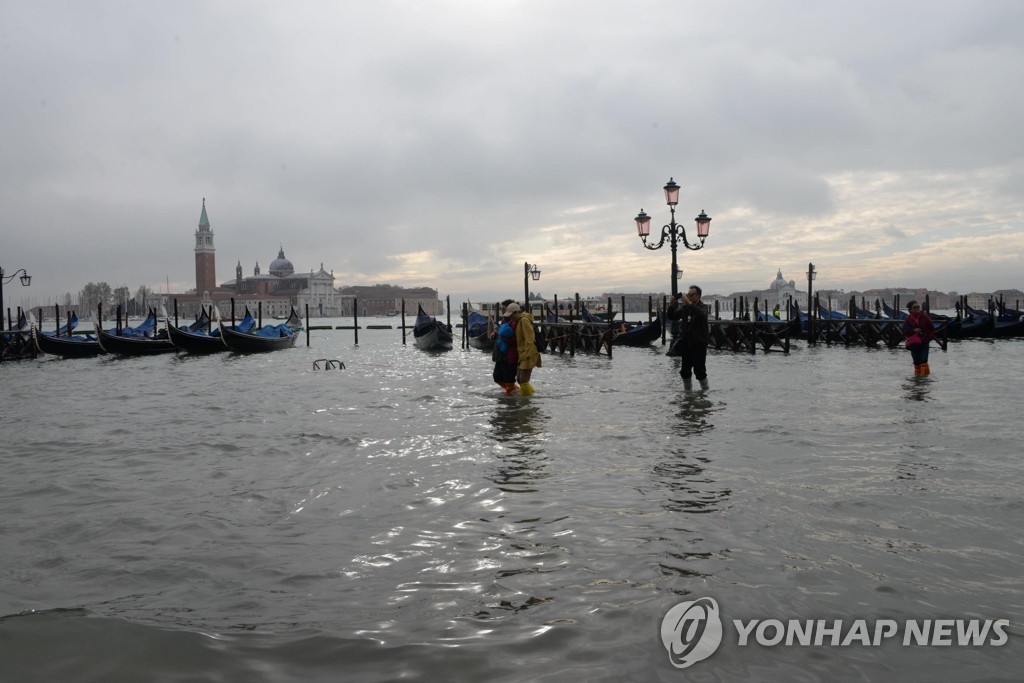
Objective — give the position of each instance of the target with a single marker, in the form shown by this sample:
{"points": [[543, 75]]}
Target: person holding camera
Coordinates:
{"points": [[919, 330], [692, 344]]}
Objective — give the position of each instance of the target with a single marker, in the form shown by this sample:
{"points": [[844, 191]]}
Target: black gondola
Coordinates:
{"points": [[477, 331], [266, 338], [639, 335], [77, 346], [142, 340], [198, 338], [429, 333]]}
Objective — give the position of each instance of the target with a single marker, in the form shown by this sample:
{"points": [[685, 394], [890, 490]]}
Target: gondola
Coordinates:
{"points": [[142, 340], [551, 317], [429, 333], [266, 338], [596, 318], [763, 317], [825, 314], [639, 335], [75, 346], [1002, 326], [477, 328], [199, 338]]}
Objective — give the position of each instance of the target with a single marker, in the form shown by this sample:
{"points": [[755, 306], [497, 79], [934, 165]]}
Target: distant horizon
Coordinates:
{"points": [[27, 303]]}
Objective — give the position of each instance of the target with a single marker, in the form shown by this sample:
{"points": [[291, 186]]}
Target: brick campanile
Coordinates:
{"points": [[206, 267]]}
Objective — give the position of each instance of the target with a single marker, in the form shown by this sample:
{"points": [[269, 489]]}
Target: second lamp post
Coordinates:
{"points": [[528, 272], [673, 232]]}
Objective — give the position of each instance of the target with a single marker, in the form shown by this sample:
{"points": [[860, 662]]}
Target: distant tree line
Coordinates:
{"points": [[96, 293]]}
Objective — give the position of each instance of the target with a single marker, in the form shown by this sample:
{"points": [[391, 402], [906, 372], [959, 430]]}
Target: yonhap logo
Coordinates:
{"points": [[691, 631]]}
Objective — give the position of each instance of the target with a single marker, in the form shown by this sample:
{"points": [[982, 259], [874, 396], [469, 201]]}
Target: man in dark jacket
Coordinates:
{"points": [[693, 342]]}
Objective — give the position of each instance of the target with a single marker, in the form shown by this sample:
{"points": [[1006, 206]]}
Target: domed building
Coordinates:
{"points": [[281, 287], [780, 291], [282, 267]]}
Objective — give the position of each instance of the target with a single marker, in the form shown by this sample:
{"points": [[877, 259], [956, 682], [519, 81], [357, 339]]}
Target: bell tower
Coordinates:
{"points": [[206, 268]]}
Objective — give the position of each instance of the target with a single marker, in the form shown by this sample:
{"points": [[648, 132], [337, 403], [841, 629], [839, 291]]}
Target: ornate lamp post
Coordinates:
{"points": [[26, 280], [528, 272], [673, 232]]}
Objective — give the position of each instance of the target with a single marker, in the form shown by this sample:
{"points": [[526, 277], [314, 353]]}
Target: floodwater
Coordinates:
{"points": [[231, 518]]}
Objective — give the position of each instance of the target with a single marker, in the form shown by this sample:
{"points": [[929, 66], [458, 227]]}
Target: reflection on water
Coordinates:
{"points": [[519, 426], [693, 411], [516, 420], [684, 474], [918, 389]]}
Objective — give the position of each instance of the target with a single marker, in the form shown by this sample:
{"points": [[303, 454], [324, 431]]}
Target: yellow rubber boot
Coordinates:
{"points": [[925, 370], [917, 370], [525, 388]]}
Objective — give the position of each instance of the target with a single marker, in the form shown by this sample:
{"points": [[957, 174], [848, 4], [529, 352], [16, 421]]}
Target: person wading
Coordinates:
{"points": [[526, 345], [505, 354], [693, 341], [919, 330]]}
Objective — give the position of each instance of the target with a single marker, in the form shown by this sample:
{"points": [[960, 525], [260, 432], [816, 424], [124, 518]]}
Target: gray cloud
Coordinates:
{"points": [[487, 135]]}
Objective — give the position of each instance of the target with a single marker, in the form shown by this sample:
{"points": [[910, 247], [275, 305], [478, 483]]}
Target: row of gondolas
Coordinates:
{"points": [[998, 322], [149, 337], [432, 334]]}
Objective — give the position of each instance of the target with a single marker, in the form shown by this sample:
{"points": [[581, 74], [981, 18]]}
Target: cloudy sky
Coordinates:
{"points": [[445, 143]]}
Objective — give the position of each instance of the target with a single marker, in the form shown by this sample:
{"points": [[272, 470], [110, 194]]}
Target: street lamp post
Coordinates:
{"points": [[26, 280], [811, 275], [528, 272], [673, 232]]}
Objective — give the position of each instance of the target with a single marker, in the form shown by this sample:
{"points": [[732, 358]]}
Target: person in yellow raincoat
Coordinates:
{"points": [[526, 343]]}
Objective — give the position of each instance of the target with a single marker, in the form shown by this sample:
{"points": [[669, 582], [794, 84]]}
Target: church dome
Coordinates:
{"points": [[779, 282], [281, 266]]}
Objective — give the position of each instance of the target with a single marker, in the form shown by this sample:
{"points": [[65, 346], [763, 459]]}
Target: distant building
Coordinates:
{"points": [[275, 293], [780, 291], [375, 300]]}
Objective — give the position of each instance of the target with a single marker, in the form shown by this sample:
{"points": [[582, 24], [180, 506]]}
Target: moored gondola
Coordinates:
{"points": [[142, 340], [428, 333], [478, 331], [266, 338], [638, 335], [199, 338], [75, 346]]}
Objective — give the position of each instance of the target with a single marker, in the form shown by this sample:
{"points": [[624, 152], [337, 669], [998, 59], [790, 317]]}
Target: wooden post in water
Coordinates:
{"points": [[176, 311], [463, 341], [403, 321], [307, 326], [665, 324], [355, 318], [233, 326]]}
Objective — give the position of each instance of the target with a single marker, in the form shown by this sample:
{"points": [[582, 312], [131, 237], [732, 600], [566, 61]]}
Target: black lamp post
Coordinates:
{"points": [[528, 272], [26, 280], [673, 232], [811, 275]]}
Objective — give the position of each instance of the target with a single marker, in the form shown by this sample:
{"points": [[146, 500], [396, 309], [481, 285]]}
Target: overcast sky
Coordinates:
{"points": [[446, 143]]}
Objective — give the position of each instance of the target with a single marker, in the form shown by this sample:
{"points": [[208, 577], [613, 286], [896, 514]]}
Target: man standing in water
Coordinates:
{"points": [[529, 356], [693, 342]]}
